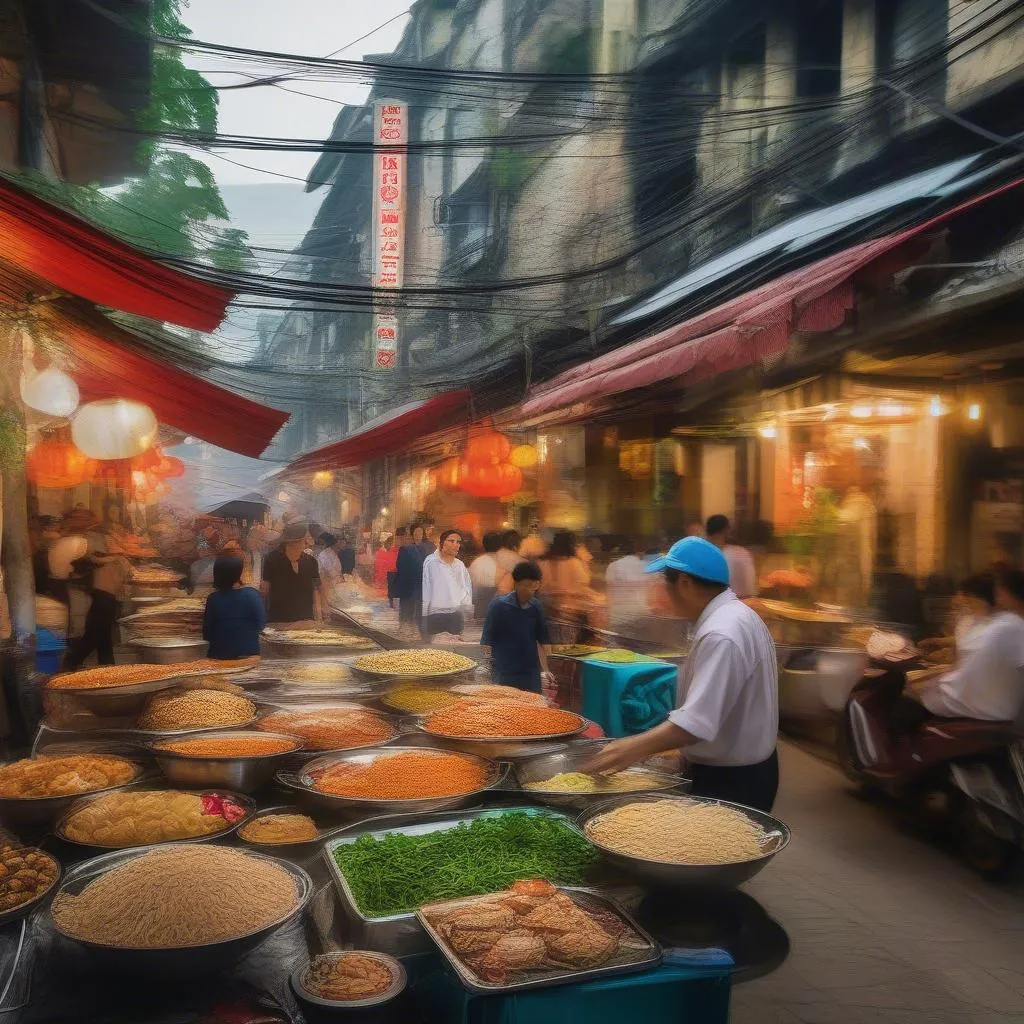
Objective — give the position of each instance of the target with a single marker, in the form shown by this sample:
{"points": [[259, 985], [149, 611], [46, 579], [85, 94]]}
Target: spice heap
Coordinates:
{"points": [[501, 718], [183, 606], [580, 782], [154, 574], [423, 661], [65, 776], [275, 829], [317, 637], [346, 977], [131, 675], [246, 745], [493, 691], [419, 699], [678, 833], [405, 776], [195, 709], [398, 873], [178, 896], [25, 873], [331, 728], [533, 926], [620, 656], [119, 820], [316, 673]]}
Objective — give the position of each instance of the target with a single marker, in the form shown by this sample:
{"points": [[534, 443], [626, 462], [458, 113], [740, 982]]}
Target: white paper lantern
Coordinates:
{"points": [[52, 391], [114, 428]]}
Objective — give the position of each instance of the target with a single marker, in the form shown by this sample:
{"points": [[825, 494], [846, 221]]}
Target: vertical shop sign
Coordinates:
{"points": [[390, 135]]}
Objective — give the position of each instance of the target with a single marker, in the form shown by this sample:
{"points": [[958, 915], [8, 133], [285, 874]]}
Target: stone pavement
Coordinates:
{"points": [[885, 929]]}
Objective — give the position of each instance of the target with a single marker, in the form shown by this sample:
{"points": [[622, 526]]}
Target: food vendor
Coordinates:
{"points": [[234, 615], [729, 719], [291, 579]]}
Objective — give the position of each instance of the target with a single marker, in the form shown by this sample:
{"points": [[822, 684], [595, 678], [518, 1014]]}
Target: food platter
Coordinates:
{"points": [[298, 849], [304, 782], [506, 747], [637, 950], [23, 910], [313, 643], [666, 874], [411, 676], [310, 709]]}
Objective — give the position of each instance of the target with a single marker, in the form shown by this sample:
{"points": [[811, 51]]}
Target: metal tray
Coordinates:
{"points": [[401, 934], [60, 829], [642, 954], [26, 908]]}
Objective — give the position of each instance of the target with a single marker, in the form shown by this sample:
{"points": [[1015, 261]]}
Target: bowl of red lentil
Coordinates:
{"points": [[235, 759]]}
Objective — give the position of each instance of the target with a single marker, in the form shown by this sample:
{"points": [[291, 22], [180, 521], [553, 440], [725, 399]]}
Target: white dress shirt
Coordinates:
{"points": [[729, 686], [446, 586], [988, 680], [484, 570], [626, 586], [330, 565], [742, 574]]}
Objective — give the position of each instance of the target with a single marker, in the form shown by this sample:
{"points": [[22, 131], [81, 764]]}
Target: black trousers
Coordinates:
{"points": [[442, 622], [753, 785], [99, 632]]}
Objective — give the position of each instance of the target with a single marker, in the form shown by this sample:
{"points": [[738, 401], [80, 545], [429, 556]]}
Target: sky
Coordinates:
{"points": [[307, 27]]}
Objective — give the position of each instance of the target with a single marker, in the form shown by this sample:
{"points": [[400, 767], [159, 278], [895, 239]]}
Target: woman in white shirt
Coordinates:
{"points": [[329, 562]]}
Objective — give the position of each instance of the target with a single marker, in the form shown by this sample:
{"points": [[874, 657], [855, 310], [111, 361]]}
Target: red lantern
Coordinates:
{"points": [[488, 449], [116, 472], [172, 467], [55, 462], [148, 461], [495, 481]]}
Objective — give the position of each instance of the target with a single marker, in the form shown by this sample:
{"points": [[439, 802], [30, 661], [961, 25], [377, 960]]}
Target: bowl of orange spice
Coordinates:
{"points": [[395, 780], [235, 759]]}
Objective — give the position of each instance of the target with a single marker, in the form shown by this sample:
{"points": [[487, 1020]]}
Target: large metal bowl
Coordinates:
{"points": [[304, 782], [44, 810], [311, 707], [26, 908], [169, 650], [239, 774], [666, 875], [434, 677], [178, 960], [503, 747], [300, 850], [294, 651], [574, 759], [118, 701], [60, 829]]}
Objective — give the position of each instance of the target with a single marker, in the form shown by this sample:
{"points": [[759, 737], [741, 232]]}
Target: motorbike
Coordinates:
{"points": [[960, 777]]}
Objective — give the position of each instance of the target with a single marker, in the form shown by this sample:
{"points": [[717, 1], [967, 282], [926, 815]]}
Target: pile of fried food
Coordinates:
{"points": [[32, 778], [25, 873], [422, 661], [531, 927]]}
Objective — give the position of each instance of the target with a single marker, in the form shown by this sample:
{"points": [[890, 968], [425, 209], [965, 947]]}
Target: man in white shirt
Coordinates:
{"points": [[742, 574], [483, 571], [729, 719], [626, 589], [447, 588]]}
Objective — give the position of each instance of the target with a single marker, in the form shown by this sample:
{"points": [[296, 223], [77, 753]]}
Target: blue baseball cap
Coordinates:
{"points": [[696, 557]]}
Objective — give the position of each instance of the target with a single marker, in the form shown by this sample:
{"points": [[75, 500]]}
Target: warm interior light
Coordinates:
{"points": [[974, 411], [861, 412], [769, 431], [283, 496], [384, 511], [935, 406], [894, 409], [862, 444]]}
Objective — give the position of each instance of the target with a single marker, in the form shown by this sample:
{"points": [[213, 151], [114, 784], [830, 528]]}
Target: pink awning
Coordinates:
{"points": [[746, 330], [387, 435]]}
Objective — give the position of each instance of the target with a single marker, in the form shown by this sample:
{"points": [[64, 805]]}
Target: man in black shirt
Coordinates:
{"points": [[291, 579]]}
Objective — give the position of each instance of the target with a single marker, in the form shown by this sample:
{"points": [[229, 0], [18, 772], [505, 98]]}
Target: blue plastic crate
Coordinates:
{"points": [[50, 650]]}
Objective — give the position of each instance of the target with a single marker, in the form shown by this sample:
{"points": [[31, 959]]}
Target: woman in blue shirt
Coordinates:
{"points": [[235, 615]]}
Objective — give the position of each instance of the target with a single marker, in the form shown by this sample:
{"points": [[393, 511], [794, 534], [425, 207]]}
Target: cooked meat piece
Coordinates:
{"points": [[467, 942], [479, 918], [519, 950], [534, 887], [582, 948], [557, 914]]}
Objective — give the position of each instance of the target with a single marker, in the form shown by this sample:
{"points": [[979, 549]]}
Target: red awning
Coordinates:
{"points": [[107, 362], [743, 331], [391, 433], [58, 247]]}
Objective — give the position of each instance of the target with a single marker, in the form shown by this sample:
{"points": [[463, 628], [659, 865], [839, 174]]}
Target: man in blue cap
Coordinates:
{"points": [[729, 719]]}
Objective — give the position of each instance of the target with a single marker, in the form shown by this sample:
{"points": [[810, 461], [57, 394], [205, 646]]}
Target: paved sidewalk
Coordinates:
{"points": [[885, 929]]}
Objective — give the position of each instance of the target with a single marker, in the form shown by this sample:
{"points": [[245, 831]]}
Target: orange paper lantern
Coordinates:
{"points": [[496, 481], [488, 449], [56, 462]]}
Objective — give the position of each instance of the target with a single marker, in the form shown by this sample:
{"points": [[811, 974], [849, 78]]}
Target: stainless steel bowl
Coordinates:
{"points": [[26, 908], [573, 759], [118, 701], [169, 650], [60, 829], [307, 846], [177, 960], [314, 652], [44, 810], [502, 747], [314, 1004], [240, 774], [312, 706], [305, 780], [435, 677], [667, 875]]}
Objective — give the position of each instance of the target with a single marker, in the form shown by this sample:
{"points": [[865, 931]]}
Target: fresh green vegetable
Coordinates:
{"points": [[399, 873], [620, 656]]}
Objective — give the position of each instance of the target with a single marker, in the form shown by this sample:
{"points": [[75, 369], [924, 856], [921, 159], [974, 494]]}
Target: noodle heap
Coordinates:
{"points": [[182, 896], [678, 833]]}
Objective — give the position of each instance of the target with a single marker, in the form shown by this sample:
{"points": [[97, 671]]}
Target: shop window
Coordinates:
{"points": [[819, 49]]}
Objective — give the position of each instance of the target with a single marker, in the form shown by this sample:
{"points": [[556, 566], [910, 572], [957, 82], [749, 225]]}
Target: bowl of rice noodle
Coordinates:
{"points": [[680, 841]]}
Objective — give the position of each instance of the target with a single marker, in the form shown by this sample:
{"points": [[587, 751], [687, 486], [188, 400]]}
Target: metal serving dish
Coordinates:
{"points": [[44, 810], [302, 849], [317, 1008], [169, 650], [667, 875], [304, 782], [401, 934], [241, 774], [505, 747], [573, 759], [118, 701], [433, 677], [176, 960], [641, 954], [60, 829], [26, 908], [295, 651], [312, 706]]}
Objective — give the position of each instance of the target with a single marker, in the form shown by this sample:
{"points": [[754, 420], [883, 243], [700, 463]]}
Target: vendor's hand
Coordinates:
{"points": [[614, 757], [548, 685]]}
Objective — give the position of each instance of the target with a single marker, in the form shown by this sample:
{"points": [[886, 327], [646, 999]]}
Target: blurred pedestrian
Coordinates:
{"points": [[516, 632], [291, 579], [234, 615], [507, 557], [385, 561], [409, 578], [483, 571], [742, 574], [447, 588], [626, 588]]}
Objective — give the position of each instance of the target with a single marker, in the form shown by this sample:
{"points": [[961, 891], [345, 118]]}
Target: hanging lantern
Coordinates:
{"points": [[51, 391], [149, 461], [114, 428], [117, 472], [56, 462], [322, 480], [498, 481], [523, 456], [450, 473], [487, 449], [171, 467]]}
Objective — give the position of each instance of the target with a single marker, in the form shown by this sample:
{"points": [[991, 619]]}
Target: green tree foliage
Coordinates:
{"points": [[173, 206]]}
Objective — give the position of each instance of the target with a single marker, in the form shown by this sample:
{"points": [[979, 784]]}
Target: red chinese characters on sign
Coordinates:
{"points": [[391, 131]]}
